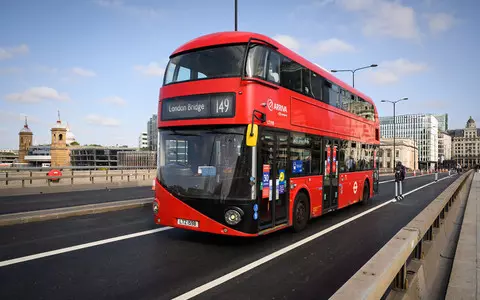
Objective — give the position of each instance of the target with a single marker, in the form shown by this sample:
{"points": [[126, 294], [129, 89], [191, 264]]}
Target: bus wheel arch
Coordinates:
{"points": [[301, 210]]}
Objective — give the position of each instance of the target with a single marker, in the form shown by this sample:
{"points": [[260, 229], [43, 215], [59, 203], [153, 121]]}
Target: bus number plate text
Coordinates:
{"points": [[189, 223]]}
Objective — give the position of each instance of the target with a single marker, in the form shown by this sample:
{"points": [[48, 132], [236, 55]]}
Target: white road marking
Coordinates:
{"points": [[79, 247], [214, 283]]}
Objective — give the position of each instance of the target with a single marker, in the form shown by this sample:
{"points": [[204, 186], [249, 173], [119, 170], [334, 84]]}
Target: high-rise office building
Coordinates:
{"points": [[421, 128], [442, 122], [152, 133], [143, 140]]}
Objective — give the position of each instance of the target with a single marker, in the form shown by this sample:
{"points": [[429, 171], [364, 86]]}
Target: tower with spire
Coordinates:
{"points": [[25, 137], [58, 150]]}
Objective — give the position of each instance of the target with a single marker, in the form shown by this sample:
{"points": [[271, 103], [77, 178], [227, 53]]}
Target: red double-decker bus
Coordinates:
{"points": [[254, 138]]}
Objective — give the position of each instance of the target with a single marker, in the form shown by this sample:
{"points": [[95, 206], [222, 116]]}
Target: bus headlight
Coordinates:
{"points": [[233, 216], [155, 207]]}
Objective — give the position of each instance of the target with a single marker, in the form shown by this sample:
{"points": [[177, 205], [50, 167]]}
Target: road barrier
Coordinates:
{"points": [[29, 177], [409, 266]]}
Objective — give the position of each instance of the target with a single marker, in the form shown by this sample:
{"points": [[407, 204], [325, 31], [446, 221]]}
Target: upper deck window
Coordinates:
{"points": [[223, 61]]}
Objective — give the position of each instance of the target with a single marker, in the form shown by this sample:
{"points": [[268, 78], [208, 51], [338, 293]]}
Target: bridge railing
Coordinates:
{"points": [[387, 269], [25, 177]]}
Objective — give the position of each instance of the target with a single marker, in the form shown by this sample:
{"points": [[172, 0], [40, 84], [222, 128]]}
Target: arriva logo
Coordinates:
{"points": [[275, 106]]}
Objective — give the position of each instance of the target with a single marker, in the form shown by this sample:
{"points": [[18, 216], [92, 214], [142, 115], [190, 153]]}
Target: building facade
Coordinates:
{"points": [[442, 122], [421, 128], [406, 152], [466, 144], [444, 146], [137, 158], [152, 133], [39, 155], [143, 140], [96, 156]]}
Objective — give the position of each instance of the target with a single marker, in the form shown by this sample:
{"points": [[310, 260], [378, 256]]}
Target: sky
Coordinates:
{"points": [[101, 62]]}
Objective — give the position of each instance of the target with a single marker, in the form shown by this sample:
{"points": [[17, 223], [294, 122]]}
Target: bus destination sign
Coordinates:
{"points": [[199, 107]]}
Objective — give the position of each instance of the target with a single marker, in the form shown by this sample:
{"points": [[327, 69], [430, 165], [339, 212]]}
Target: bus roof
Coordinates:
{"points": [[232, 37]]}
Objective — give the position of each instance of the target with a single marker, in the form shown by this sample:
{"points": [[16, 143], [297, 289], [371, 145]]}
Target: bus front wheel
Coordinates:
{"points": [[300, 212]]}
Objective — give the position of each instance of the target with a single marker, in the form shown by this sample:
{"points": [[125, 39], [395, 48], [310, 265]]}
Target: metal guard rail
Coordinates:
{"points": [[389, 265], [91, 177], [75, 168]]}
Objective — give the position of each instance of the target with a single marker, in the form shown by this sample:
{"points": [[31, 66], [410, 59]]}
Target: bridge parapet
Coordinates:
{"points": [[410, 265]]}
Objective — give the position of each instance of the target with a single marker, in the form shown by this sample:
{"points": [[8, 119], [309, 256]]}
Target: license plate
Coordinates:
{"points": [[190, 223]]}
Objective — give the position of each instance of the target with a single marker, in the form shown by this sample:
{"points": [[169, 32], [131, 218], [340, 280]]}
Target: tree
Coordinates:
{"points": [[74, 144]]}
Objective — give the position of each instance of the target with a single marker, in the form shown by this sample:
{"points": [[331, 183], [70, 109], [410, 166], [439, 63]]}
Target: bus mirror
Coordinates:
{"points": [[252, 135]]}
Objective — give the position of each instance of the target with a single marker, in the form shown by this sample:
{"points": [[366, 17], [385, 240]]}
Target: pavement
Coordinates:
{"points": [[124, 255], [464, 280]]}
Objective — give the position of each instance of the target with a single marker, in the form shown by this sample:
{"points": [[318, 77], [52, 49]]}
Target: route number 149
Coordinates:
{"points": [[222, 106]]}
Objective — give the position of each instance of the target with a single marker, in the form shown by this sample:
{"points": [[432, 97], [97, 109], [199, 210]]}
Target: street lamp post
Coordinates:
{"points": [[394, 125], [355, 70], [236, 15]]}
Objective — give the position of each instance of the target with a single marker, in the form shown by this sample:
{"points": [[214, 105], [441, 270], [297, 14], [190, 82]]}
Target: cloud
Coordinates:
{"points": [[10, 52], [10, 70], [440, 22], [101, 120], [384, 18], [324, 47], [288, 41], [128, 8], [83, 72], [36, 95], [392, 71], [332, 45], [115, 100], [152, 69]]}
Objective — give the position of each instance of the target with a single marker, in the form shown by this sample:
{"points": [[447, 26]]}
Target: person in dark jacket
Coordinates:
{"points": [[400, 172]]}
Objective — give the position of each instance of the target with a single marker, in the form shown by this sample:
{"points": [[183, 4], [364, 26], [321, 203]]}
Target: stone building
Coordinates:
{"points": [[466, 144], [58, 151], [24, 142], [406, 152]]}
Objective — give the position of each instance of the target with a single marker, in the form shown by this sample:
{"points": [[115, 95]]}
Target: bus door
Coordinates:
{"points": [[273, 195], [330, 176]]}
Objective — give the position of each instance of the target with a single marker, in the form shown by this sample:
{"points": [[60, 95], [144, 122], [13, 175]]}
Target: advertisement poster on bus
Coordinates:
{"points": [[334, 165], [266, 181], [375, 159], [327, 167], [282, 181]]}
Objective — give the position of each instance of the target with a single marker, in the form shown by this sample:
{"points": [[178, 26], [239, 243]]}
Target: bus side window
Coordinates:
{"points": [[307, 82], [317, 84], [273, 74], [342, 157], [316, 155], [291, 75], [256, 63]]}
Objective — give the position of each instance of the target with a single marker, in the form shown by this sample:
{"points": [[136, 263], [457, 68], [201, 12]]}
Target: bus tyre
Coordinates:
{"points": [[366, 193], [300, 212]]}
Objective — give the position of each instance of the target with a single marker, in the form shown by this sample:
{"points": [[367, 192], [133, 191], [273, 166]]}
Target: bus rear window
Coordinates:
{"points": [[224, 61]]}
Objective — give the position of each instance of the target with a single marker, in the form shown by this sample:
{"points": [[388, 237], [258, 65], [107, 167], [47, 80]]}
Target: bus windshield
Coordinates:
{"points": [[205, 163], [223, 61]]}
